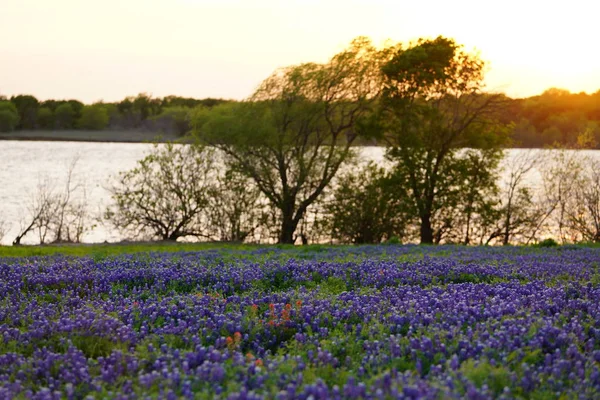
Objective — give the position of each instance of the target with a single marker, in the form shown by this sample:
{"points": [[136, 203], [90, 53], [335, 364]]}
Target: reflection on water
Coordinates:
{"points": [[24, 164]]}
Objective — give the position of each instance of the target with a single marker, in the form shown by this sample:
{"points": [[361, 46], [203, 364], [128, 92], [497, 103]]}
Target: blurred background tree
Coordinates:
{"points": [[9, 116]]}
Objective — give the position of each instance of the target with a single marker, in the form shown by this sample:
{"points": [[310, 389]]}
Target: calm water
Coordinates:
{"points": [[24, 165]]}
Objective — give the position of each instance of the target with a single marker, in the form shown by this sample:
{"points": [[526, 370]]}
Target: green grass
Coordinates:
{"points": [[101, 250]]}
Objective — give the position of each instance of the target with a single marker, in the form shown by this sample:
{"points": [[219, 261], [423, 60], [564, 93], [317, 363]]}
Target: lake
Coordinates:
{"points": [[26, 164]]}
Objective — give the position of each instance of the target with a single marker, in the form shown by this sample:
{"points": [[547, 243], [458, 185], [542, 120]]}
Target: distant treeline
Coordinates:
{"points": [[554, 117], [143, 112]]}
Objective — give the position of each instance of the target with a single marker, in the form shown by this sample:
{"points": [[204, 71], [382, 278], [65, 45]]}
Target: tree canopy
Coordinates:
{"points": [[433, 104], [293, 134]]}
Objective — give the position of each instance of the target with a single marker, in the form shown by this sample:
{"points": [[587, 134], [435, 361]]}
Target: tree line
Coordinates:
{"points": [[142, 112], [282, 166], [553, 117]]}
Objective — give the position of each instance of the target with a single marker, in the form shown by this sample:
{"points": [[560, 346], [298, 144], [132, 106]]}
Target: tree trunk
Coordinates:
{"points": [[288, 227], [426, 230], [506, 234], [467, 237], [288, 222], [17, 241]]}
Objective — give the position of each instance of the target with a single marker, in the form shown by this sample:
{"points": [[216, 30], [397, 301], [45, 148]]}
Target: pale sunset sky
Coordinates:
{"points": [[107, 49]]}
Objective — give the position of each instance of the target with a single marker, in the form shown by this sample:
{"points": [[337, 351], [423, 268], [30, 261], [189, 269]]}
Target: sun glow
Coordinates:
{"points": [[109, 49]]}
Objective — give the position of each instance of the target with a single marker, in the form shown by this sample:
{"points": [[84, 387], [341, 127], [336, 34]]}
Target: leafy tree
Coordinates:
{"points": [[65, 116], [146, 106], [135, 110], [166, 194], [113, 114], [9, 116], [588, 138], [45, 118], [433, 104], [295, 132], [174, 119], [27, 107], [94, 117], [362, 209], [176, 101], [77, 108]]}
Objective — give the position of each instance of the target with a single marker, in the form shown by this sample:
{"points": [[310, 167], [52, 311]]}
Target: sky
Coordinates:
{"points": [[94, 50]]}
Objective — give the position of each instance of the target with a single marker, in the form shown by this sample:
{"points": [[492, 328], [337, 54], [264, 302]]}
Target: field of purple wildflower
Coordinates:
{"points": [[372, 322]]}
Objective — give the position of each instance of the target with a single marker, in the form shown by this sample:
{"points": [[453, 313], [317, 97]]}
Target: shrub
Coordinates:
{"points": [[363, 209], [547, 243]]}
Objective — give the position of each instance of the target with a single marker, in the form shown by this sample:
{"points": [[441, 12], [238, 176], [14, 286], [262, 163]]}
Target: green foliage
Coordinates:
{"points": [[365, 208], [557, 116], [482, 372], [393, 240], [175, 118], [65, 116], [9, 116], [166, 194], [27, 107], [433, 104], [334, 286], [93, 346], [547, 243], [94, 117], [297, 129], [45, 118]]}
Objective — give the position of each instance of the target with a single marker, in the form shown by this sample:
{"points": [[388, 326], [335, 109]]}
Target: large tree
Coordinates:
{"points": [[433, 105], [293, 134]]}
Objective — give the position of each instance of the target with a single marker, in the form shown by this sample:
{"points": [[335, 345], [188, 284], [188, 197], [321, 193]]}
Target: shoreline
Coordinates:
{"points": [[136, 136], [104, 136]]}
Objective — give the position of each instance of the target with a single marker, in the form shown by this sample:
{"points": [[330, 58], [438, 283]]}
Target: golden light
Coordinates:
{"points": [[110, 49]]}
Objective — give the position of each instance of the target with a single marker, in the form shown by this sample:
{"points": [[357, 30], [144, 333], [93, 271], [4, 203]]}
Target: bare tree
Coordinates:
{"points": [[517, 216], [40, 210], [71, 217], [4, 228], [57, 216], [583, 211], [560, 176]]}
